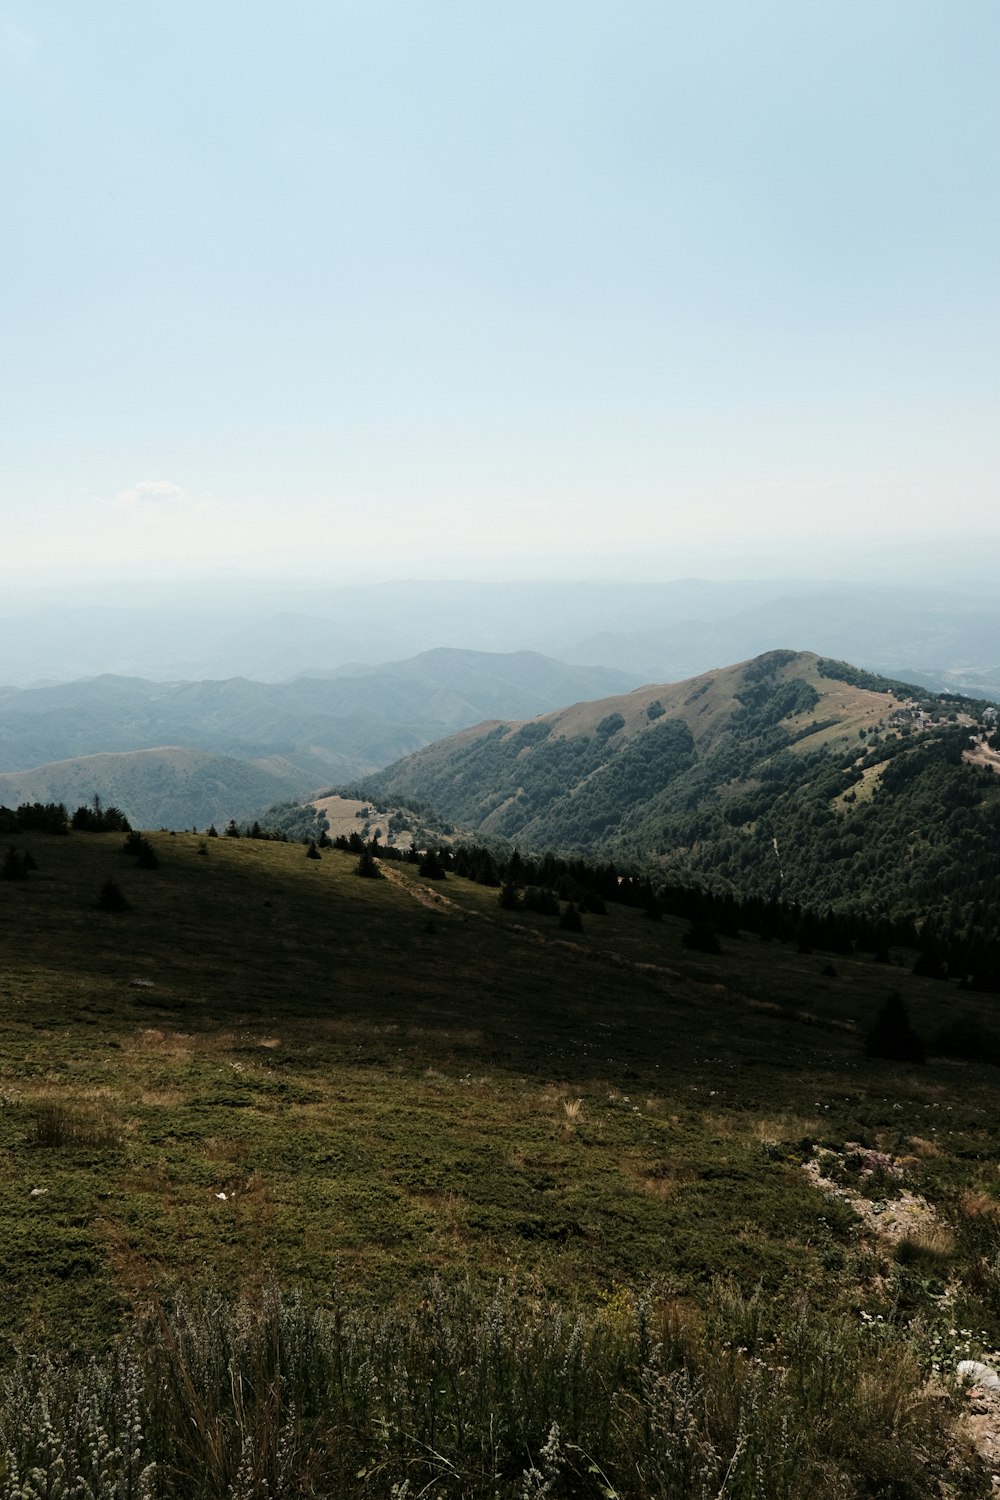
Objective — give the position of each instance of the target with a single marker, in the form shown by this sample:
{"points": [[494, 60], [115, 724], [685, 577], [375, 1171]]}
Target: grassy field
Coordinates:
{"points": [[270, 1072]]}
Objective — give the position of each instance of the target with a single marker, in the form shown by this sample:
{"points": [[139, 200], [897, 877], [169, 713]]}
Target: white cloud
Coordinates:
{"points": [[152, 492]]}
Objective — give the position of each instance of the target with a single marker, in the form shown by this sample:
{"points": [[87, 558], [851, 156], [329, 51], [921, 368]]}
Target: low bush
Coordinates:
{"points": [[111, 897]]}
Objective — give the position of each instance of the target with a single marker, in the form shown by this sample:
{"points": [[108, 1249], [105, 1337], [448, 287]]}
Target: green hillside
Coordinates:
{"points": [[323, 726], [159, 788], [249, 1119], [787, 776], [258, 742]]}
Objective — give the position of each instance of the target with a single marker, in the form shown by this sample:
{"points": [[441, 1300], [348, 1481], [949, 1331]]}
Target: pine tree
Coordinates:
{"points": [[892, 1036], [112, 897]]}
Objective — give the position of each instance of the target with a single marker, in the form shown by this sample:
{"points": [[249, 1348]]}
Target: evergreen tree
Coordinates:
{"points": [[892, 1036], [431, 866], [111, 897]]}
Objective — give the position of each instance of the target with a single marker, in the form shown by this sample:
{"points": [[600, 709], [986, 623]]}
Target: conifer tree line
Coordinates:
{"points": [[959, 940], [539, 883]]}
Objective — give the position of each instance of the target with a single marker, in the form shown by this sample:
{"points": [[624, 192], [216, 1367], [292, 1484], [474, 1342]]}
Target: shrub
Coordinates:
{"points": [[432, 866], [702, 937], [16, 865], [892, 1036], [145, 855], [111, 897], [509, 897], [57, 1126], [540, 899], [367, 866]]}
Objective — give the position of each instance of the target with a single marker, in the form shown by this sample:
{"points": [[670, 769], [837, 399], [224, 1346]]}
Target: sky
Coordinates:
{"points": [[449, 288]]}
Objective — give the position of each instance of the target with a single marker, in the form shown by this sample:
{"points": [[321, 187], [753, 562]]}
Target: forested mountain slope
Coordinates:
{"points": [[321, 727], [786, 775]]}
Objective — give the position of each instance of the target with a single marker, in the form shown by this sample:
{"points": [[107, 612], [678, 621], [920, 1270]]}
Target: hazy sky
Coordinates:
{"points": [[385, 287]]}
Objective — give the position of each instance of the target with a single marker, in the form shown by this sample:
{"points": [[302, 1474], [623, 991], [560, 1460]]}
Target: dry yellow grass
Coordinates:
{"points": [[657, 1180], [978, 1205]]}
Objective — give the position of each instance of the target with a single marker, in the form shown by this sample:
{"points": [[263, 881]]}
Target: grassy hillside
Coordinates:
{"points": [[270, 1072], [785, 776], [159, 787]]}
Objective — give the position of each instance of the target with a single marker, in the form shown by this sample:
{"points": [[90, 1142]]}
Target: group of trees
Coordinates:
{"points": [[547, 883], [52, 817]]}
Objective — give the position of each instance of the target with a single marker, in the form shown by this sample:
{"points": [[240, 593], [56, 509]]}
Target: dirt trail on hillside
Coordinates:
{"points": [[422, 893], [436, 901]]}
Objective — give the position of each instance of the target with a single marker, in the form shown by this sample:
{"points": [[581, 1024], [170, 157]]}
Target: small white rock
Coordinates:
{"points": [[37, 1192], [979, 1374]]}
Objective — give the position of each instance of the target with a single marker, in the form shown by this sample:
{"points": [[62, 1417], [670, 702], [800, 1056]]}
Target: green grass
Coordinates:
{"points": [[386, 1090]]}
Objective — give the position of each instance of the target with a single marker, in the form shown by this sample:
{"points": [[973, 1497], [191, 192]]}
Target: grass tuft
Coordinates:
{"points": [[57, 1126]]}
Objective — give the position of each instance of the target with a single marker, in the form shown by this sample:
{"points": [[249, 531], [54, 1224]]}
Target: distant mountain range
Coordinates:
{"points": [[941, 636], [133, 741], [789, 775]]}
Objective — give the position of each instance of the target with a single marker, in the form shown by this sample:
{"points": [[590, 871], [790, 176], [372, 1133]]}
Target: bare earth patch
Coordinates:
{"points": [[980, 754], [890, 1218], [910, 1216]]}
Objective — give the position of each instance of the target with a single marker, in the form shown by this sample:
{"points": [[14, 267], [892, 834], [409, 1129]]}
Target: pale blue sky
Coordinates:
{"points": [[392, 286]]}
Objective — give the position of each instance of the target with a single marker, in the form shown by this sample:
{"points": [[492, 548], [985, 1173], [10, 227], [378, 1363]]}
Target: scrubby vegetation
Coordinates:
{"points": [[287, 820], [341, 1186], [473, 1394]]}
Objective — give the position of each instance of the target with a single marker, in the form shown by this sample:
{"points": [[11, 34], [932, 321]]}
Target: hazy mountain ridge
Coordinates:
{"points": [[944, 640], [945, 634], [302, 733]]}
